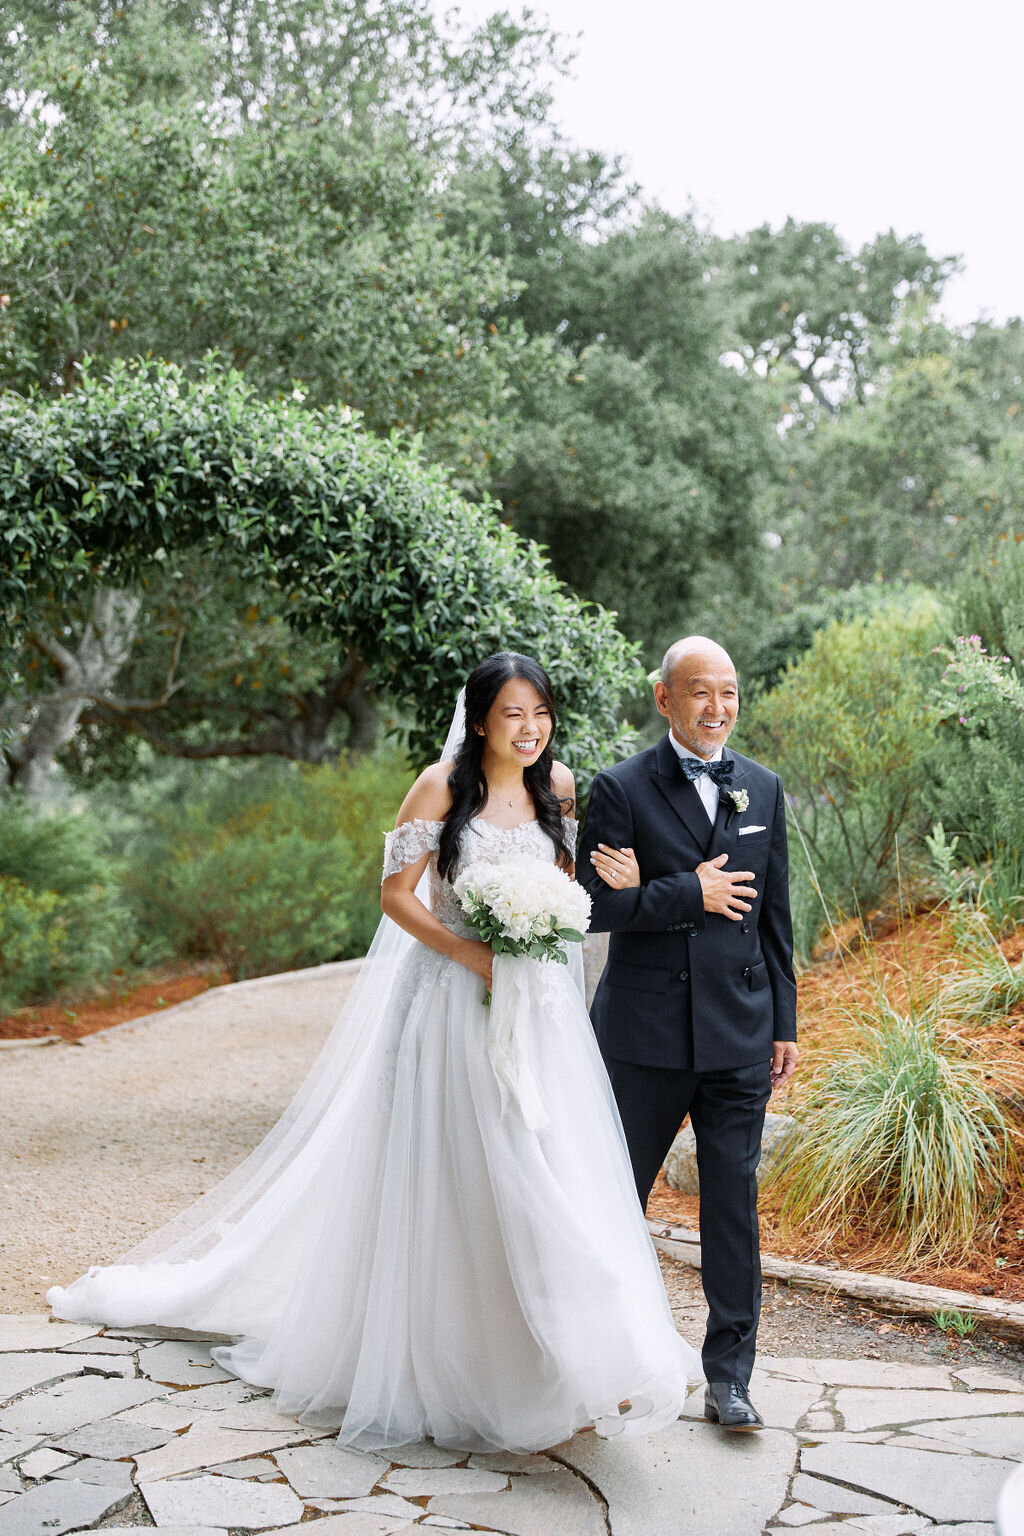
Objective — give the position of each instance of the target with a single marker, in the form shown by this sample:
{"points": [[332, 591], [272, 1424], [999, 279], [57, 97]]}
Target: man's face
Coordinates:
{"points": [[701, 700]]}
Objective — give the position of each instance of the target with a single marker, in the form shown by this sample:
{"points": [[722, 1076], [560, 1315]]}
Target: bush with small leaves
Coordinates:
{"points": [[63, 924], [361, 540], [849, 729], [271, 870]]}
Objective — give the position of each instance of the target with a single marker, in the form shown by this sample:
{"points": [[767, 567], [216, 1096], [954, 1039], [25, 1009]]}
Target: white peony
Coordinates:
{"points": [[521, 905]]}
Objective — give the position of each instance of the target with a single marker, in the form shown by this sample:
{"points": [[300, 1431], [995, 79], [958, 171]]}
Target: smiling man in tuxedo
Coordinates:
{"points": [[684, 854]]}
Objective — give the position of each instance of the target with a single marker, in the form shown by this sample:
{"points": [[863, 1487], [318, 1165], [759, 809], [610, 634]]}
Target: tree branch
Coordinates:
{"points": [[63, 660], [270, 744], [302, 736]]}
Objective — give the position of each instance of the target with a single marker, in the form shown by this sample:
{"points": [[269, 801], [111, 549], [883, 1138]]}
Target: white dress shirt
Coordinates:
{"points": [[705, 784]]}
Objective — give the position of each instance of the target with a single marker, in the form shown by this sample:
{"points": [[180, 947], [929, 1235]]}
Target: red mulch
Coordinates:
{"points": [[72, 1020]]}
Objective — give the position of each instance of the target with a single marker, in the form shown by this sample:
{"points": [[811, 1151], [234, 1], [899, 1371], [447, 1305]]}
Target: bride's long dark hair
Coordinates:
{"points": [[466, 780]]}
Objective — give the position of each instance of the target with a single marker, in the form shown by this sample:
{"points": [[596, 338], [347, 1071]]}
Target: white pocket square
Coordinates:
{"points": [[746, 831]]}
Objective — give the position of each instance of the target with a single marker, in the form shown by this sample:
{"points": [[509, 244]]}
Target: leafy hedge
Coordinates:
{"points": [[364, 541], [851, 730], [268, 870], [63, 924]]}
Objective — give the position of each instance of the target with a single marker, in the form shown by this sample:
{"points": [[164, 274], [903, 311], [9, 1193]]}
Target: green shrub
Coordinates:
{"points": [[369, 546], [271, 870], [33, 943], [257, 900], [979, 790], [784, 639], [850, 731], [980, 797], [63, 925], [902, 1140], [989, 601]]}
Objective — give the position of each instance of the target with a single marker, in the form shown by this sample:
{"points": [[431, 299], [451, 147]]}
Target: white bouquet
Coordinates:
{"points": [[524, 906]]}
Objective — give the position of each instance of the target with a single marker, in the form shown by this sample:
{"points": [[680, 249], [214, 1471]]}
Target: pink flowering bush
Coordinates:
{"points": [[976, 686]]}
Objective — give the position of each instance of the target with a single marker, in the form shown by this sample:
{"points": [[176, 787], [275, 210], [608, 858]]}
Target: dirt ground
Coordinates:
{"points": [[982, 1277], [806, 1323]]}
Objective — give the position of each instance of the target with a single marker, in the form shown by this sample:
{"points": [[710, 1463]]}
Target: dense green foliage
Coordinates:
{"points": [[369, 200], [849, 729], [301, 239], [357, 538], [361, 207], [639, 467], [268, 871], [792, 633], [818, 317], [266, 179], [979, 696], [903, 486], [63, 923]]}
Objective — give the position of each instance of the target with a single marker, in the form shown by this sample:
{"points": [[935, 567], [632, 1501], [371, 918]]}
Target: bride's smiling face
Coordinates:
{"points": [[518, 724]]}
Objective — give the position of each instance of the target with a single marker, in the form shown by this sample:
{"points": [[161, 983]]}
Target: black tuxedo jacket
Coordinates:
{"points": [[684, 987]]}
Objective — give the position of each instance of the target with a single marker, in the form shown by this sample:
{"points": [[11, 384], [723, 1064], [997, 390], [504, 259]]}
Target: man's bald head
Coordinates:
{"points": [[698, 694], [697, 650]]}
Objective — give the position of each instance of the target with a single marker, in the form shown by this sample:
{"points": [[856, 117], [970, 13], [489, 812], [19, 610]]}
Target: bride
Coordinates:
{"points": [[407, 1254]]}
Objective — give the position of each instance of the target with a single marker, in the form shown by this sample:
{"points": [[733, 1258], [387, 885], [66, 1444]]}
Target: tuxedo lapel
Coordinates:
{"points": [[681, 795], [728, 821]]}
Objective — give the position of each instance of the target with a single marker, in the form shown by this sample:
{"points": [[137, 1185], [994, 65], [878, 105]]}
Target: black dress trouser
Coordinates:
{"points": [[726, 1111]]}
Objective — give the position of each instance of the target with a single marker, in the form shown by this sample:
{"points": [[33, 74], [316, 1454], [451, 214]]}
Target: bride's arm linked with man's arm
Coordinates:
{"points": [[624, 902], [739, 973]]}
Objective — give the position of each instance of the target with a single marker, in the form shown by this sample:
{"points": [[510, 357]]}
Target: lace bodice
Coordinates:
{"points": [[481, 839]]}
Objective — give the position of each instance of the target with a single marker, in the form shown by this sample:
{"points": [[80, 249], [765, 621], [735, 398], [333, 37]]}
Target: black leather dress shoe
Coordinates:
{"points": [[728, 1403]]}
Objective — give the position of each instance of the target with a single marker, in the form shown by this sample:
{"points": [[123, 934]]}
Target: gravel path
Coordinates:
{"points": [[103, 1140]]}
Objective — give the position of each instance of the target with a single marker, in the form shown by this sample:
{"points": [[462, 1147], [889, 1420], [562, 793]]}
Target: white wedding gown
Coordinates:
{"points": [[419, 1261]]}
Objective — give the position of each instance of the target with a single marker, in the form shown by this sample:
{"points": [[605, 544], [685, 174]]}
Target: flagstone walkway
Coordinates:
{"points": [[125, 1430]]}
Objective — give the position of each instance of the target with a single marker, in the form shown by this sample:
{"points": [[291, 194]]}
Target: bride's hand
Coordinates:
{"points": [[616, 866], [478, 957]]}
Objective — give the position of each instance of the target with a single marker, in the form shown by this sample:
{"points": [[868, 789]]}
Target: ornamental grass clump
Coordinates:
{"points": [[903, 1144], [991, 988], [988, 992]]}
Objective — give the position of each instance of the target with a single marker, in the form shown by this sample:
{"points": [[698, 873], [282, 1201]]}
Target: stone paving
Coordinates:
{"points": [[124, 1430]]}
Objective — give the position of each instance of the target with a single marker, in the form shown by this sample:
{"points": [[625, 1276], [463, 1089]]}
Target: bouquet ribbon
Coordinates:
{"points": [[509, 1021]]}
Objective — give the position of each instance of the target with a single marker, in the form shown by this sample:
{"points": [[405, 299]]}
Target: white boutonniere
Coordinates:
{"points": [[738, 800]]}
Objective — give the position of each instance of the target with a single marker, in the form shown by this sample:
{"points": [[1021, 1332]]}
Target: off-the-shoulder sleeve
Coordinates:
{"points": [[408, 843], [570, 829]]}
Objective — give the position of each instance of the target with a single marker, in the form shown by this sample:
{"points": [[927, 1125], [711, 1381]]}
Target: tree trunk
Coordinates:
{"points": [[85, 673]]}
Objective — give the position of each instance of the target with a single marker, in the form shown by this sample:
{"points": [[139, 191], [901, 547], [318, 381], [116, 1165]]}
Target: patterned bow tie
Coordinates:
{"points": [[721, 772]]}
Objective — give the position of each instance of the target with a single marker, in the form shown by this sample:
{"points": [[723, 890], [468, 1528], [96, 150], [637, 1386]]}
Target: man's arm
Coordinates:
{"points": [[775, 928], [663, 905]]}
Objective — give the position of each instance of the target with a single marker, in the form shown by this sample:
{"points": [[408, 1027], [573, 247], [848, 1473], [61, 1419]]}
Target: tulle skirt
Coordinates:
{"points": [[457, 1252]]}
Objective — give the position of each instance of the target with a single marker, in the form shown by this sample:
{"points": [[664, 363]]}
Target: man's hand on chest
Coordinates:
{"points": [[726, 891]]}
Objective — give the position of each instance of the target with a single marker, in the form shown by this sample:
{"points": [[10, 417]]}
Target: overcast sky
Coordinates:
{"points": [[866, 115]]}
